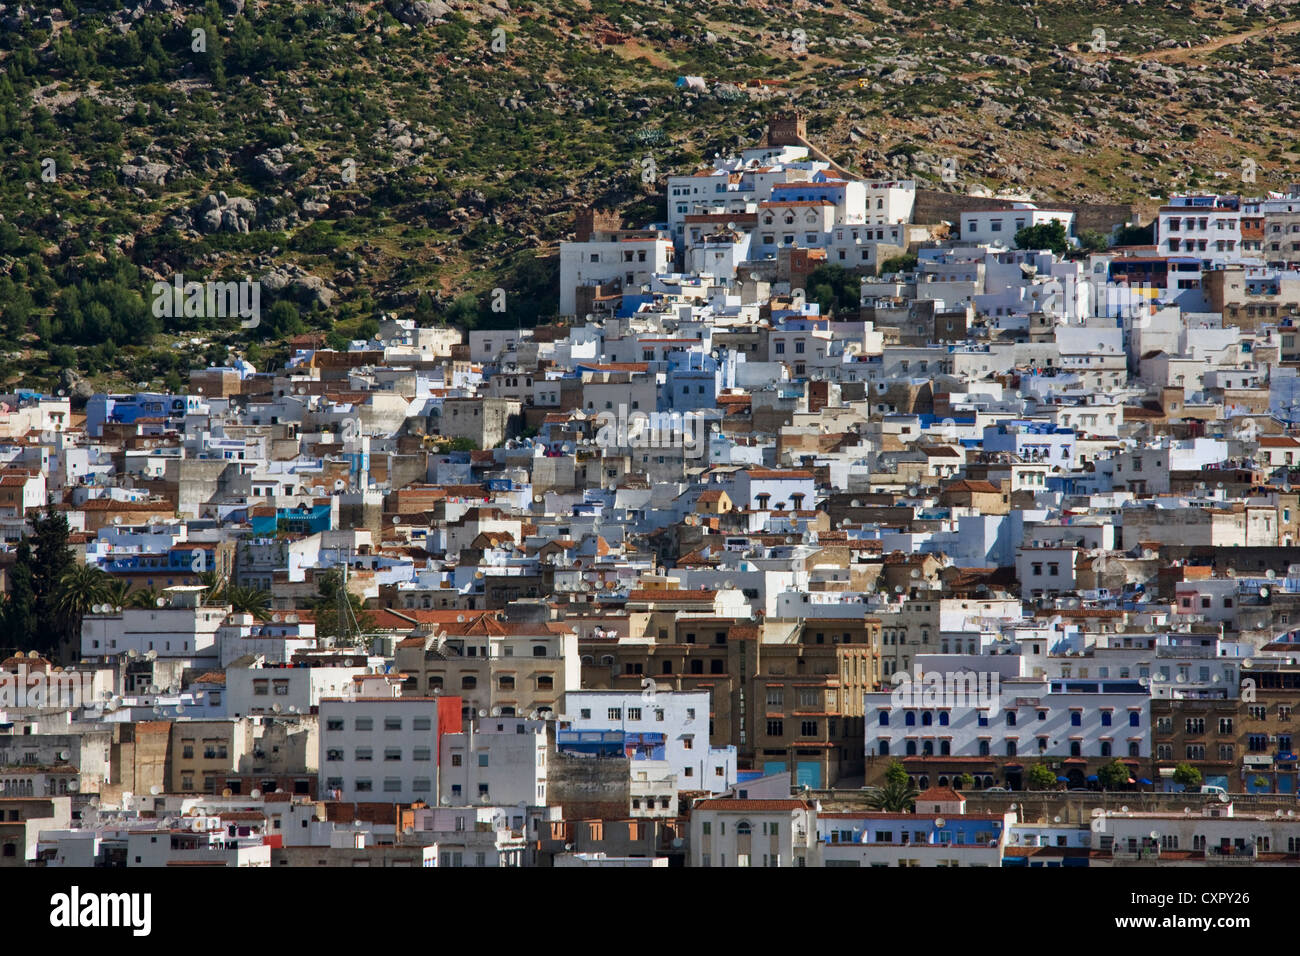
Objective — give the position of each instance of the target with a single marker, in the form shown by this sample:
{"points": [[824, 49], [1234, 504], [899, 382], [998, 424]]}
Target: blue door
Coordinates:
{"points": [[809, 774]]}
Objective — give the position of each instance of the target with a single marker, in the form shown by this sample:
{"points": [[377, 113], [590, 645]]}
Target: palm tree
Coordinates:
{"points": [[215, 585], [896, 796], [80, 588], [118, 592], [144, 597], [252, 601]]}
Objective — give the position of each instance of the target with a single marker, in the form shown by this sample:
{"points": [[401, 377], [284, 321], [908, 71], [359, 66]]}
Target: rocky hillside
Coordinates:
{"points": [[413, 155]]}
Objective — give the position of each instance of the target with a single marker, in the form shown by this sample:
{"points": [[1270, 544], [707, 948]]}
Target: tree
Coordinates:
{"points": [[1114, 775], [1187, 775], [145, 597], [966, 780], [1041, 777], [81, 587], [20, 610], [1045, 235], [1091, 240], [51, 559], [903, 263], [283, 319], [340, 614], [215, 584], [118, 592], [894, 797], [835, 289], [1135, 236], [252, 601], [895, 773]]}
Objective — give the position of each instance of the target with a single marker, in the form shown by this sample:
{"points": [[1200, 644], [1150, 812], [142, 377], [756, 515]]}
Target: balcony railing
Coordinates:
{"points": [[1231, 855], [1124, 854]]}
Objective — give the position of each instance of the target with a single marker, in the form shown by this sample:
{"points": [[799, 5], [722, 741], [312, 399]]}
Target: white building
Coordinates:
{"points": [[1001, 225], [184, 628], [501, 760], [659, 725], [378, 748], [744, 833], [628, 262]]}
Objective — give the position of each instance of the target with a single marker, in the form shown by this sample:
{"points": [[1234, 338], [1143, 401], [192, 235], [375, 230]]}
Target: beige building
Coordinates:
{"points": [[519, 667], [204, 752]]}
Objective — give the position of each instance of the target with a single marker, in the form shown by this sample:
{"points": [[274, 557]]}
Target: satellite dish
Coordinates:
{"points": [[482, 712], [155, 789], [276, 707], [939, 821], [256, 794], [160, 602]]}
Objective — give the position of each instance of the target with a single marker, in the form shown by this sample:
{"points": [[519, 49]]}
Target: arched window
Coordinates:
{"points": [[927, 718], [743, 828], [884, 748]]}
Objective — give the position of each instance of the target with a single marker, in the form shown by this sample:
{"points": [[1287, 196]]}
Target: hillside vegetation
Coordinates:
{"points": [[410, 157]]}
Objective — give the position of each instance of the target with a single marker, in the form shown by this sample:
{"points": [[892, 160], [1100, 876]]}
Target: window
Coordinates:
{"points": [[392, 723], [616, 713]]}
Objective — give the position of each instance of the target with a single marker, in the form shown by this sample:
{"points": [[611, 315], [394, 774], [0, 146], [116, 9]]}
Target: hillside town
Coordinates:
{"points": [[989, 564]]}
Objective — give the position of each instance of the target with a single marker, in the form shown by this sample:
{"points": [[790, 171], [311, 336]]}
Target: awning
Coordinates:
{"points": [[1093, 779], [1013, 766], [1062, 779], [1145, 782]]}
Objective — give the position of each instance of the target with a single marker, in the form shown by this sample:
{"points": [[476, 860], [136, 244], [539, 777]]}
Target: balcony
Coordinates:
{"points": [[1230, 856], [1143, 854]]}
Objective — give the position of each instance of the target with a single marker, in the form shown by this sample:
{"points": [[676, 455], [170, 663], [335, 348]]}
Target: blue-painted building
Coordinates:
{"points": [[302, 519]]}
